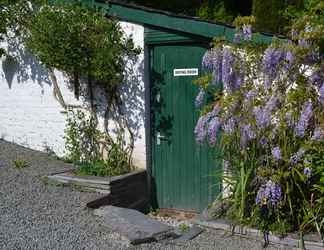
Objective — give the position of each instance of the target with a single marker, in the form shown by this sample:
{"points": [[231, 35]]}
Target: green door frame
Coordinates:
{"points": [[159, 37]]}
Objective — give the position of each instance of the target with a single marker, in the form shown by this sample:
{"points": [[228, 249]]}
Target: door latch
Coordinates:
{"points": [[158, 138]]}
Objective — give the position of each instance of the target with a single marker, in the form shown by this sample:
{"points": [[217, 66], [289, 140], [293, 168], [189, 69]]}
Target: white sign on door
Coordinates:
{"points": [[185, 72]]}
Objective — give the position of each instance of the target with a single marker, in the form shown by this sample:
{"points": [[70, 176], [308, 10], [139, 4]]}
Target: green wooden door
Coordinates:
{"points": [[183, 172]]}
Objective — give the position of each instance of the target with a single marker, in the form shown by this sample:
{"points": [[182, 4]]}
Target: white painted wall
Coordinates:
{"points": [[30, 116]]}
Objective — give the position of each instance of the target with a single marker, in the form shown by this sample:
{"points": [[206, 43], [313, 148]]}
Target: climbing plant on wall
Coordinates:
{"points": [[92, 51]]}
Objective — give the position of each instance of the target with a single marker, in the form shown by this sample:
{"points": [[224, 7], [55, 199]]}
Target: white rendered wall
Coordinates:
{"points": [[30, 116]]}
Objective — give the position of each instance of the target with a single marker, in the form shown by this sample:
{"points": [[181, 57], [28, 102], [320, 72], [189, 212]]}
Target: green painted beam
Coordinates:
{"points": [[164, 20], [143, 16]]}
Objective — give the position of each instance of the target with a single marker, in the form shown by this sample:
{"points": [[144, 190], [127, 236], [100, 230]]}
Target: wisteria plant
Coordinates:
{"points": [[270, 115]]}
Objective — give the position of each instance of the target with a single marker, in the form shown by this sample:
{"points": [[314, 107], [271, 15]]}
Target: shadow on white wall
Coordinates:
{"points": [[22, 64], [21, 68]]}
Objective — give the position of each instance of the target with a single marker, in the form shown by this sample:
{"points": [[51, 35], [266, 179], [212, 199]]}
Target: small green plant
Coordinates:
{"points": [[81, 137], [82, 142], [153, 211], [19, 163], [183, 227]]}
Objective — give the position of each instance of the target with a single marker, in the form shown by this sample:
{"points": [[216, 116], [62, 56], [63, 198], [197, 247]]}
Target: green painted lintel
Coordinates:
{"points": [[163, 20]]}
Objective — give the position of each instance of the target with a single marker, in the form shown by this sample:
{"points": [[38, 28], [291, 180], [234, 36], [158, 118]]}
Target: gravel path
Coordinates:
{"points": [[38, 216]]}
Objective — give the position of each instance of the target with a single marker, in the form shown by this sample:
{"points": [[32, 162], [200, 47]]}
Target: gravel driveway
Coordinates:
{"points": [[38, 216]]}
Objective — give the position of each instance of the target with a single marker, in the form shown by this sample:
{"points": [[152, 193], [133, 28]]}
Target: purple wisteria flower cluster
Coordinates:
{"points": [[263, 141], [244, 33], [321, 94], [290, 59], [247, 32], [250, 95], [229, 126], [270, 194], [276, 153], [295, 158], [317, 77], [200, 129], [289, 119], [318, 134], [212, 62], [272, 58], [307, 172], [263, 114], [208, 60], [222, 62], [208, 126], [200, 98], [212, 130], [231, 77], [306, 115], [312, 55], [217, 69], [247, 134]]}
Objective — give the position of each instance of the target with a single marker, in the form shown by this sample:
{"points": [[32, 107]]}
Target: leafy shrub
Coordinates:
{"points": [[81, 137], [19, 163], [83, 143]]}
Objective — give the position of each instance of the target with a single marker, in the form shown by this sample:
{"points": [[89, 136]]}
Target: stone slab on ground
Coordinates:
{"points": [[135, 226], [192, 233]]}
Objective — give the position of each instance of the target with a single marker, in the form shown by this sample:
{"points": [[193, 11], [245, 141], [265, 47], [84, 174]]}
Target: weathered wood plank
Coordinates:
{"points": [[83, 179], [74, 182], [128, 192]]}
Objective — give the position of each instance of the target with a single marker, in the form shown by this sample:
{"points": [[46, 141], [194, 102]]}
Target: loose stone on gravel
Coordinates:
{"points": [[135, 226]]}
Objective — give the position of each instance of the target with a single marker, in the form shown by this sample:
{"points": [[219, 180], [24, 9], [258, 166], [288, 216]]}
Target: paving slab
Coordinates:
{"points": [[135, 226]]}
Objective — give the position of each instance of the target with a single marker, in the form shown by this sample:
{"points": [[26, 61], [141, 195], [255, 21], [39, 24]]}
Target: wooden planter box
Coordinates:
{"points": [[128, 190]]}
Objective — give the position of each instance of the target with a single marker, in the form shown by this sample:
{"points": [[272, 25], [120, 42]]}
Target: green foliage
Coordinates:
{"points": [[81, 41], [216, 12], [2, 26], [117, 157], [224, 11], [176, 6], [315, 155], [153, 211], [81, 137], [20, 163], [240, 21], [103, 168], [267, 15], [84, 142], [313, 14], [183, 227]]}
